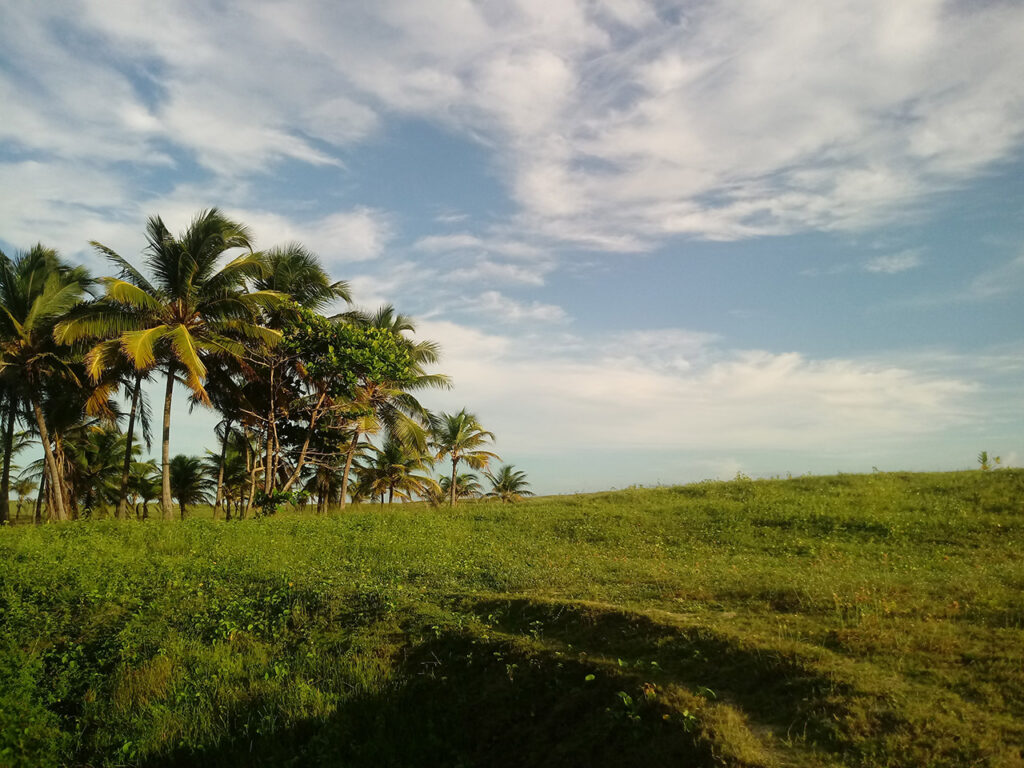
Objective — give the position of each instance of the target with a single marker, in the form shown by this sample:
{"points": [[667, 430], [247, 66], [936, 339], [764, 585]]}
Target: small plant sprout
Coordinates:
{"points": [[986, 463]]}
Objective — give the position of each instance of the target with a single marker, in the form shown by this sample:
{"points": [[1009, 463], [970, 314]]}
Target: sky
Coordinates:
{"points": [[658, 241]]}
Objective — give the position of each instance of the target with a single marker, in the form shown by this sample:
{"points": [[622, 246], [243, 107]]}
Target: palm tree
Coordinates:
{"points": [[231, 470], [466, 486], [385, 404], [393, 469], [294, 272], [10, 412], [23, 486], [36, 290], [460, 437], [508, 484], [325, 484], [195, 308], [144, 486], [189, 482], [14, 443], [92, 453]]}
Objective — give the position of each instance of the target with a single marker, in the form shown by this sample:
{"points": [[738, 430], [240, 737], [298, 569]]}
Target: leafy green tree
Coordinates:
{"points": [[37, 290], [195, 308], [360, 371], [460, 437], [508, 484], [296, 273], [388, 405], [189, 481]]}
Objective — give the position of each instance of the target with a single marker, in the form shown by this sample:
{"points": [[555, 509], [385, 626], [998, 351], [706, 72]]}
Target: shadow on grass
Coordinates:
{"points": [[772, 686], [467, 701]]}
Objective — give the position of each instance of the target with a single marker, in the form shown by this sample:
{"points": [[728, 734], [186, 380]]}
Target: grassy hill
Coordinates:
{"points": [[852, 621]]}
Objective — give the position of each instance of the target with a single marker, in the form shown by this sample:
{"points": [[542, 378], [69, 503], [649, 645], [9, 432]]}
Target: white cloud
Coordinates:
{"points": [[722, 400], [893, 263], [69, 204], [615, 124], [502, 310], [465, 241], [358, 234], [485, 271], [1006, 278]]}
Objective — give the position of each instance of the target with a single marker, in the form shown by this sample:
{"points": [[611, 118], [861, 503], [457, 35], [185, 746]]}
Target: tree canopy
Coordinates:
{"points": [[309, 401]]}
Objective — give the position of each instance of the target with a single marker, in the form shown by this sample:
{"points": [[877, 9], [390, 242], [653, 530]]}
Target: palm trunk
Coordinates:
{"points": [[51, 462], [276, 473], [5, 482], [166, 503], [51, 505], [68, 496], [313, 418], [252, 467], [181, 506], [268, 474], [250, 463], [39, 499], [455, 464], [348, 467], [252, 495], [122, 502], [220, 473]]}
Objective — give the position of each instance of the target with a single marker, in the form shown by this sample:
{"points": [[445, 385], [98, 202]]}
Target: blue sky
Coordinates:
{"points": [[657, 241]]}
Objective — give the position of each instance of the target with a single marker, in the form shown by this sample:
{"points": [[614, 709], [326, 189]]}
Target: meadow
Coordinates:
{"points": [[852, 620]]}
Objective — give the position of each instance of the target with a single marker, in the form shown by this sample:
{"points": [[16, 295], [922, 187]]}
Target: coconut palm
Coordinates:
{"points": [[393, 470], [325, 484], [194, 309], [36, 290], [14, 443], [93, 454], [296, 272], [143, 486], [231, 469], [466, 486], [23, 486], [9, 412], [189, 481], [508, 484], [460, 437]]}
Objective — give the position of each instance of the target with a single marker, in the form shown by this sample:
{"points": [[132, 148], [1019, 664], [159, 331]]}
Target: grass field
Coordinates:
{"points": [[872, 620]]}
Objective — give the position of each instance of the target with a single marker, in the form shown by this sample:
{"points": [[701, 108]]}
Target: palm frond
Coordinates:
{"points": [[125, 292], [138, 346], [128, 272], [187, 356]]}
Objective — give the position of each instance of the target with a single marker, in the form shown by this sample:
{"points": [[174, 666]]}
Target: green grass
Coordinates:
{"points": [[852, 621]]}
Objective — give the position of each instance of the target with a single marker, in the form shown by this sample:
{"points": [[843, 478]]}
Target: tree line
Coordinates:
{"points": [[312, 405]]}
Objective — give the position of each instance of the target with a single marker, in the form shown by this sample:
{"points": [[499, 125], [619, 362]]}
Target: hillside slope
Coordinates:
{"points": [[852, 620]]}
